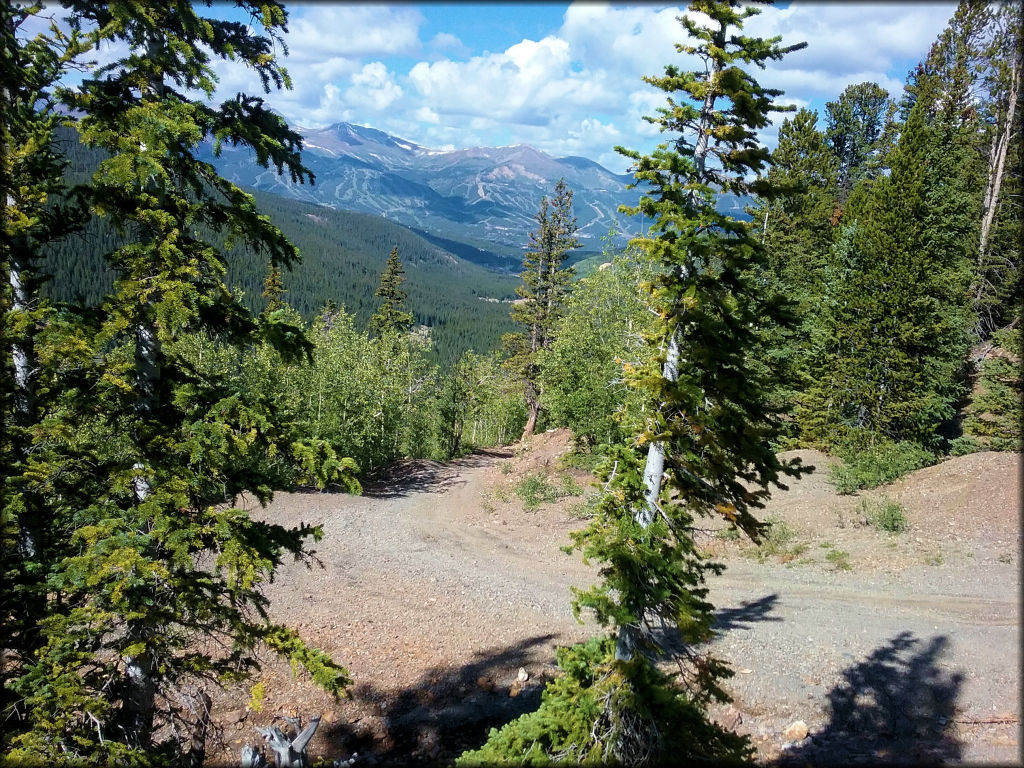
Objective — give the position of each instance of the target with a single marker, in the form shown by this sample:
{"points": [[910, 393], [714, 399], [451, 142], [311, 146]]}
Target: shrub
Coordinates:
{"points": [[962, 446], [884, 514], [878, 465], [535, 489], [570, 487], [839, 559]]}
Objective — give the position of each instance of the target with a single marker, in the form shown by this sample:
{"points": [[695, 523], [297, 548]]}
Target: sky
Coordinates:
{"points": [[565, 78]]}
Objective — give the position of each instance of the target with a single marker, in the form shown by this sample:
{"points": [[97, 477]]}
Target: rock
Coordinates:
{"points": [[236, 716], [485, 683], [523, 676], [797, 731], [515, 689], [731, 717]]}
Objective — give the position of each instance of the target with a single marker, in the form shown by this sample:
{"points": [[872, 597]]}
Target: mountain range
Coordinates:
{"points": [[478, 203]]}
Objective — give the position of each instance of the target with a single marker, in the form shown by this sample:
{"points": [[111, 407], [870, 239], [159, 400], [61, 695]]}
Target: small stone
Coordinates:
{"points": [[797, 731], [731, 717], [523, 676], [485, 683], [237, 716], [515, 689]]}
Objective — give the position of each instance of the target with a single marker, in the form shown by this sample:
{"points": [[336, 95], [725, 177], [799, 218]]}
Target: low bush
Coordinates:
{"points": [[878, 465], [884, 514], [535, 489], [840, 560]]}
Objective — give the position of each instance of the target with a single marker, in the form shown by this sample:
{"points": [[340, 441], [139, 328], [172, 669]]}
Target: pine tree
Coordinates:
{"points": [[155, 554], [34, 214], [893, 327], [797, 229], [855, 125], [999, 271], [273, 289], [707, 438], [543, 293], [391, 316]]}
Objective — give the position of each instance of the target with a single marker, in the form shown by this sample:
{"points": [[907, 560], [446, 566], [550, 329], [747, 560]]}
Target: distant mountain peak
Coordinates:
{"points": [[482, 197]]}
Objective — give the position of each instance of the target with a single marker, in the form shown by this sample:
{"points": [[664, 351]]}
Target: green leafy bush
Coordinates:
{"points": [[962, 446], [535, 489], [884, 514], [878, 465], [996, 413]]}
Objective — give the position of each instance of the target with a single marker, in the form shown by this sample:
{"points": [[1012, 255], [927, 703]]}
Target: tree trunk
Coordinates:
{"points": [[139, 700], [997, 162], [654, 469], [533, 411]]}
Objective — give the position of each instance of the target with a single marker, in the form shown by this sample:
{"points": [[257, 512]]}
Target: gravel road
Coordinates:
{"points": [[434, 599]]}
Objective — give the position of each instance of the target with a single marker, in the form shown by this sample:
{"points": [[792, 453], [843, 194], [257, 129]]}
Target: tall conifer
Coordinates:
{"points": [[893, 334], [156, 555], [543, 292], [706, 441], [391, 316]]}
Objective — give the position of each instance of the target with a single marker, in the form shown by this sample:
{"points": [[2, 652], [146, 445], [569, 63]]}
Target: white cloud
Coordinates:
{"points": [[319, 32], [848, 43], [530, 83], [577, 90], [445, 42], [373, 87]]}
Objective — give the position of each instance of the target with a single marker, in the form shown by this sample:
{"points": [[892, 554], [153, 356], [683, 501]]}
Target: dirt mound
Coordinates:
{"points": [[965, 508], [977, 496]]}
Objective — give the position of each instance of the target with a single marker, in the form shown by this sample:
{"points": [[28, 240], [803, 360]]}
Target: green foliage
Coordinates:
{"points": [[995, 415], [876, 465], [536, 489], [599, 712], [707, 419], [892, 334], [840, 560], [145, 440], [477, 396], [391, 316], [603, 328], [855, 126], [542, 293], [884, 514]]}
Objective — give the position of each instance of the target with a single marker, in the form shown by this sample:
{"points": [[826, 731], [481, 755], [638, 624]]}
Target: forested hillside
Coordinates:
{"points": [[343, 254]]}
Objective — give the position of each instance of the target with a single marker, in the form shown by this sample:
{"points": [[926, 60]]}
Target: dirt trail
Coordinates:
{"points": [[435, 592]]}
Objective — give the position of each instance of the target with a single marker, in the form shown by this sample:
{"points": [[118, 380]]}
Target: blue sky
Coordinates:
{"points": [[563, 77]]}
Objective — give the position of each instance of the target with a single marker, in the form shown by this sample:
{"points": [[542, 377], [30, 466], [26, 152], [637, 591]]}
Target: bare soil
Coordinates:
{"points": [[438, 591]]}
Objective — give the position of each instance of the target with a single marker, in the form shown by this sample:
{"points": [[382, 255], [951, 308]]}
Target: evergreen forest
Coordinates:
{"points": [[174, 343]]}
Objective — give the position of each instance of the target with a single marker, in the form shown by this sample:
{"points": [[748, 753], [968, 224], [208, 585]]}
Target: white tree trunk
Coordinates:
{"points": [[654, 469], [997, 162]]}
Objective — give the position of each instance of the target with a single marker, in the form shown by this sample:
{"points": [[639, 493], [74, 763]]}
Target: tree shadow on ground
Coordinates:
{"points": [[667, 637], [895, 707], [747, 613], [410, 476], [447, 711]]}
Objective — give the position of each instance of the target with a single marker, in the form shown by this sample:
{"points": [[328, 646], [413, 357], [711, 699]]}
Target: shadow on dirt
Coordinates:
{"points": [[667, 637], [747, 613], [896, 706], [409, 476], [447, 711]]}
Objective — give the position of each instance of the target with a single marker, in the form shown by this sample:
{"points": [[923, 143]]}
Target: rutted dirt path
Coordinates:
{"points": [[435, 592]]}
